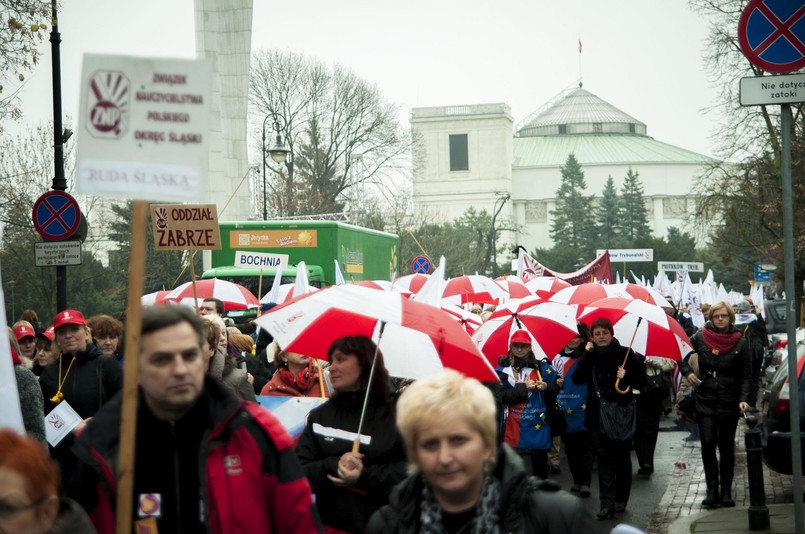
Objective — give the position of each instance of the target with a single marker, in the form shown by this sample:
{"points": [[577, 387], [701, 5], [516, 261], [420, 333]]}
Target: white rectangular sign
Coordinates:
{"points": [[144, 128], [628, 255], [766, 90], [692, 266], [260, 260], [52, 253]]}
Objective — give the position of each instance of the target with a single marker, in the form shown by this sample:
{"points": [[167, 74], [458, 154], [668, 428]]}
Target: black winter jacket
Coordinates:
{"points": [[725, 377], [93, 380], [528, 506], [384, 463], [604, 363]]}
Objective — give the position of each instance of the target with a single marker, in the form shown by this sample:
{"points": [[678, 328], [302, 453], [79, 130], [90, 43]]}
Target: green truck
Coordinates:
{"points": [[362, 254]]}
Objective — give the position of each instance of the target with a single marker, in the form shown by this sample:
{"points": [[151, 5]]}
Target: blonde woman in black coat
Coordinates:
{"points": [[723, 382]]}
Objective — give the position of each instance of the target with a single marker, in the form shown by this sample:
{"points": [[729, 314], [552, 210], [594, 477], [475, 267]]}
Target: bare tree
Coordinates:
{"points": [[330, 119], [24, 24]]}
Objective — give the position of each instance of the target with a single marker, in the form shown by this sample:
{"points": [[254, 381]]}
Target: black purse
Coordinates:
{"points": [[556, 416], [618, 422]]}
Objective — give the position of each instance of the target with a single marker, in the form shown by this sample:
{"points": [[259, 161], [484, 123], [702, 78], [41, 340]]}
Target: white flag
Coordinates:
{"points": [[10, 415]]}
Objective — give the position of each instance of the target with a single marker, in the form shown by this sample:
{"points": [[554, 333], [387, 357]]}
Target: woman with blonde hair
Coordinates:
{"points": [[722, 394], [461, 480]]}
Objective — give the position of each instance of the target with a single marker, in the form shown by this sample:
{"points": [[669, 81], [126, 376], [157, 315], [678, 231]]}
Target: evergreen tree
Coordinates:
{"points": [[609, 214], [573, 227], [634, 215]]}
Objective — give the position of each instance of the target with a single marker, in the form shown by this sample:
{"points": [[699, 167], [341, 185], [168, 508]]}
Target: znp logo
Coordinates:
{"points": [[108, 104]]}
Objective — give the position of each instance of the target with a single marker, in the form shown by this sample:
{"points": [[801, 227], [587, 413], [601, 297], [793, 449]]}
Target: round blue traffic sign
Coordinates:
{"points": [[421, 265], [56, 215], [771, 34]]}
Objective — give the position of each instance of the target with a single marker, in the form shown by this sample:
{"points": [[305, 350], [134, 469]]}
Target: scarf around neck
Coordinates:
{"points": [[301, 381], [486, 511], [720, 343]]}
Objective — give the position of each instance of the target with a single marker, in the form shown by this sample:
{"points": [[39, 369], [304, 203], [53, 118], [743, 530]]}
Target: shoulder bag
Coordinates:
{"points": [[618, 422]]}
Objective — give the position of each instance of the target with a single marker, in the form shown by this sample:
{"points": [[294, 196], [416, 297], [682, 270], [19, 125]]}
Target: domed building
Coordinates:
{"points": [[474, 156]]}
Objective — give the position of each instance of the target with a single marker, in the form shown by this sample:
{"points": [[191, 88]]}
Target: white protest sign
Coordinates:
{"points": [[143, 128], [260, 260], [10, 415], [60, 422]]}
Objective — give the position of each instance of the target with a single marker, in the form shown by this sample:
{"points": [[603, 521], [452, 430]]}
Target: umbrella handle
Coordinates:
{"points": [[321, 378], [628, 351], [356, 445]]}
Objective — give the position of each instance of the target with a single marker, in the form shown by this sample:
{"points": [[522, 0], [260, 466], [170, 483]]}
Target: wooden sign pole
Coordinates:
{"points": [[131, 370]]}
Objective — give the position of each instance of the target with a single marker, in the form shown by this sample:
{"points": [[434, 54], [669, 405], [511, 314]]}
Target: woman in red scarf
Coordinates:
{"points": [[723, 381], [297, 376]]}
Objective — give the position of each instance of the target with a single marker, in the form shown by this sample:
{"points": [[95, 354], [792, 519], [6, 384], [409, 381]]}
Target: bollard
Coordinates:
{"points": [[758, 511]]}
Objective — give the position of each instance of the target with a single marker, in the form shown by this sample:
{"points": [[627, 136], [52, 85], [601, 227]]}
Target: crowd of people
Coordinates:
{"points": [[443, 454]]}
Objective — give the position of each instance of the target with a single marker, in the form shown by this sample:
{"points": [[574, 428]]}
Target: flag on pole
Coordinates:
{"points": [[579, 46], [339, 276]]}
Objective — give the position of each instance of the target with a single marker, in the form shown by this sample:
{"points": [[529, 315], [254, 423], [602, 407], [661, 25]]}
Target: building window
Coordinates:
{"points": [[631, 127], [562, 129], [598, 127], [536, 211], [459, 153]]}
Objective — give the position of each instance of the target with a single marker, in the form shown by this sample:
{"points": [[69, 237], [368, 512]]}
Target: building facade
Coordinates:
{"points": [[473, 155]]}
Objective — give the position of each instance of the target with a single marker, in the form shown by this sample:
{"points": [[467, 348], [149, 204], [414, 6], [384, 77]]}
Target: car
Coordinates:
{"points": [[776, 428], [776, 314]]}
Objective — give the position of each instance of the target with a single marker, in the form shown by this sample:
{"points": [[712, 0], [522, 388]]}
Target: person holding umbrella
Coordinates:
{"points": [[461, 480], [297, 375], [350, 485], [524, 383], [610, 372]]}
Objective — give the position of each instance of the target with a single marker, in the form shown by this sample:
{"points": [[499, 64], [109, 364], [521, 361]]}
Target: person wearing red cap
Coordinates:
{"points": [[524, 383], [47, 351], [82, 376], [26, 339]]}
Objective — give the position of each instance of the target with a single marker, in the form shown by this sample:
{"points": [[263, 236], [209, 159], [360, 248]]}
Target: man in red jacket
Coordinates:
{"points": [[205, 461]]}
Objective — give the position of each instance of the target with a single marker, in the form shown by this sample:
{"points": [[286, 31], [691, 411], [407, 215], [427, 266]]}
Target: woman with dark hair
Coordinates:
{"points": [[107, 332], [350, 486], [610, 372], [723, 386], [573, 401]]}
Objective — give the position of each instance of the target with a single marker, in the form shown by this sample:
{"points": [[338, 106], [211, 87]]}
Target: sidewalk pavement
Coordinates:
{"points": [[680, 509]]}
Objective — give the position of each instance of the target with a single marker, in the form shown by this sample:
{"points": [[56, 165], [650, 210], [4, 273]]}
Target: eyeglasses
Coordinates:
{"points": [[721, 316], [8, 510]]}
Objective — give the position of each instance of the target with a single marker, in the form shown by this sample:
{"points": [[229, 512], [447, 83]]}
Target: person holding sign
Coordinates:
{"points": [[77, 385], [194, 438]]}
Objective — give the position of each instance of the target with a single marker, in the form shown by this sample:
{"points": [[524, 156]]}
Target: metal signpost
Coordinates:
{"points": [[771, 35]]}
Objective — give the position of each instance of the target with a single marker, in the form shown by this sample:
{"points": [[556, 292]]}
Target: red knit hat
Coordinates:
{"points": [[520, 336]]}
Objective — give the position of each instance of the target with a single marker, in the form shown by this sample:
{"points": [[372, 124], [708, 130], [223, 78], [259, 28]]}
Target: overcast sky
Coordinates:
{"points": [[642, 56]]}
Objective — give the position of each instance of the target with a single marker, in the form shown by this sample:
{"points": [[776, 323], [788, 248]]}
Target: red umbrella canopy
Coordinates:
{"points": [[514, 286], [152, 299], [551, 325], [417, 339], [234, 296], [545, 286], [472, 288], [644, 326], [382, 285], [646, 294], [410, 283], [469, 321]]}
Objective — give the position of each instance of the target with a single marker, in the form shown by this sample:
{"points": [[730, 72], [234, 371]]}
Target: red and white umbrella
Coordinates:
{"points": [[410, 283], [287, 293], [586, 293], [234, 296], [545, 286], [514, 286], [551, 325], [418, 339], [472, 288], [382, 285], [153, 299], [469, 321], [654, 332]]}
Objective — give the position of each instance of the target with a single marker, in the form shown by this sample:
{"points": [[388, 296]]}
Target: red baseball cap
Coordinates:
{"points": [[23, 331], [520, 336], [49, 334], [63, 318]]}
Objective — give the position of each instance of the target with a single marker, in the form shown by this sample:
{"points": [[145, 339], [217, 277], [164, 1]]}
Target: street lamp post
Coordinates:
{"points": [[263, 158], [494, 233]]}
